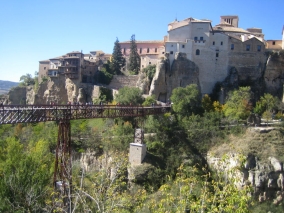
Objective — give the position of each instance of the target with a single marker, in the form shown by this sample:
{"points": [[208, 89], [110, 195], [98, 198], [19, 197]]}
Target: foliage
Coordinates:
{"points": [[117, 60], [238, 105], [26, 80], [266, 103], [134, 58], [119, 135], [105, 96], [204, 131], [198, 193], [25, 176], [206, 103], [217, 106], [104, 75], [150, 71], [106, 189], [128, 95], [186, 101], [149, 100]]}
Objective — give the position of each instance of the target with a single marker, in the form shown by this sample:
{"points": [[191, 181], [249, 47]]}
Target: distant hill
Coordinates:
{"points": [[5, 86]]}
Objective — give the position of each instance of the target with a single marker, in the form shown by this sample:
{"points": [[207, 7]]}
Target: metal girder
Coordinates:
{"points": [[62, 178], [11, 114]]}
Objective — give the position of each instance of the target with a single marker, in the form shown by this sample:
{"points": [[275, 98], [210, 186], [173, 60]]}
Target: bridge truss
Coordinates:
{"points": [[62, 114]]}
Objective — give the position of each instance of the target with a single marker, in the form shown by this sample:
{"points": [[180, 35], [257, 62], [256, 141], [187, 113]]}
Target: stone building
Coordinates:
{"points": [[149, 51], [215, 50], [74, 65]]}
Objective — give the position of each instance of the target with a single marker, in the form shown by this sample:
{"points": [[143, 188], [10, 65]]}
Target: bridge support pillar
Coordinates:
{"points": [[137, 151], [63, 167]]}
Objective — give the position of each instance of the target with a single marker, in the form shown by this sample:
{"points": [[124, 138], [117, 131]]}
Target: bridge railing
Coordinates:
{"points": [[10, 114]]}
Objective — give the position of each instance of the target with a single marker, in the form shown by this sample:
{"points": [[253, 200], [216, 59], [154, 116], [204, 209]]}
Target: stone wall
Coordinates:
{"points": [[119, 81]]}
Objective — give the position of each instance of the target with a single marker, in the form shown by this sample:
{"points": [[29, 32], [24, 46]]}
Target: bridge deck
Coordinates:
{"points": [[11, 114]]}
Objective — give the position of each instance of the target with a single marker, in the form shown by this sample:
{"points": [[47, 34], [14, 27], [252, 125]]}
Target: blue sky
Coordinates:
{"points": [[34, 30]]}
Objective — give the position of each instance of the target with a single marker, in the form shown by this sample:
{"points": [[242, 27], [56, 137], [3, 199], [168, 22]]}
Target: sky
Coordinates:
{"points": [[35, 30]]}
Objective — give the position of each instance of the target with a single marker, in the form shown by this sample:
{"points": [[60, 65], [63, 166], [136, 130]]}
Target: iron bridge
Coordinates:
{"points": [[12, 114]]}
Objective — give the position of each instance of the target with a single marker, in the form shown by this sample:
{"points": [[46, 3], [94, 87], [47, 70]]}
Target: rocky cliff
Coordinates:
{"points": [[264, 75], [182, 73], [255, 159]]}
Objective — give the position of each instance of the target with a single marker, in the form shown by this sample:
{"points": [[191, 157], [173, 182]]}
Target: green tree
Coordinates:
{"points": [[134, 58], [27, 80], [238, 105], [149, 100], [206, 103], [117, 60], [186, 100], [150, 71], [266, 103], [128, 95], [25, 176]]}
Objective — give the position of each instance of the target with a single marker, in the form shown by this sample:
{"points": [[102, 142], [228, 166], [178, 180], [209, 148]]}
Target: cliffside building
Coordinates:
{"points": [[215, 50], [73, 65]]}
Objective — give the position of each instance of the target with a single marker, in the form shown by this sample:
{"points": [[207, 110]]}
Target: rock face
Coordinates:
{"points": [[274, 74], [16, 95], [182, 73], [265, 177]]}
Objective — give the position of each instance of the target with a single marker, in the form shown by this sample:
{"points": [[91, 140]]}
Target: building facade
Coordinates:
{"points": [[215, 49], [74, 65], [149, 51]]}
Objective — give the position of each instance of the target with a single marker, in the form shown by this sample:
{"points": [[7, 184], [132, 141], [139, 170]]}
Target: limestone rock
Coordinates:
{"points": [[277, 165]]}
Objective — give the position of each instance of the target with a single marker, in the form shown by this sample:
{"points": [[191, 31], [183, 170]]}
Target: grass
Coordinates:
{"points": [[262, 145]]}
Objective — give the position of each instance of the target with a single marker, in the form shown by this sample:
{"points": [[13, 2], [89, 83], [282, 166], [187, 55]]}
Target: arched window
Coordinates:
{"points": [[197, 52]]}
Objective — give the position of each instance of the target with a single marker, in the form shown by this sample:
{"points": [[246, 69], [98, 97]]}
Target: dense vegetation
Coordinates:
{"points": [[173, 178]]}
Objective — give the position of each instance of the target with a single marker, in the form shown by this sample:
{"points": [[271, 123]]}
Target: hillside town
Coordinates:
{"points": [[213, 54]]}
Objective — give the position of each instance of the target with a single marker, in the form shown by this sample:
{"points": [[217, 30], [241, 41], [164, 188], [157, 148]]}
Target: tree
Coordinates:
{"points": [[149, 100], [117, 60], [150, 71], [128, 95], [238, 105], [27, 80], [207, 104], [186, 100], [134, 58], [266, 103]]}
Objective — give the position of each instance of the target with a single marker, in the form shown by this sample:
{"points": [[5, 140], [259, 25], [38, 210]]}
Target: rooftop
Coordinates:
{"points": [[143, 42]]}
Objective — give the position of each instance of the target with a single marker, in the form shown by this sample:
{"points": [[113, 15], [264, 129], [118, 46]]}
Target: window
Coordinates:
{"points": [[195, 38], [148, 50], [44, 68], [273, 43], [197, 52], [149, 62], [171, 52], [213, 42], [155, 50], [201, 38], [232, 46], [124, 51], [258, 48], [221, 42], [140, 50], [248, 47], [217, 54], [183, 46]]}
